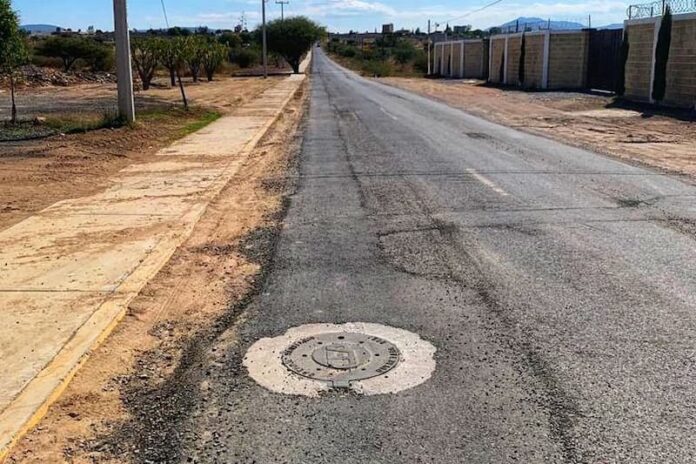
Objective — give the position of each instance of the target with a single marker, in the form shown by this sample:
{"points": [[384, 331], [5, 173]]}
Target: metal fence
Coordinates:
{"points": [[546, 25], [657, 8]]}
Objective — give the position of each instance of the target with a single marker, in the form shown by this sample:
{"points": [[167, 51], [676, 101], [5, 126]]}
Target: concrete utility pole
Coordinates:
{"points": [[429, 68], [263, 35], [124, 71], [282, 8]]}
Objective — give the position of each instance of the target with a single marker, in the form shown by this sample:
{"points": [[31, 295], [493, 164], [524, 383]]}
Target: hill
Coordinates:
{"points": [[38, 28], [539, 23]]}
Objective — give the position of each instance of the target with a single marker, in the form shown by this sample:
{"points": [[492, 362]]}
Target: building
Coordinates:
{"points": [[387, 28]]}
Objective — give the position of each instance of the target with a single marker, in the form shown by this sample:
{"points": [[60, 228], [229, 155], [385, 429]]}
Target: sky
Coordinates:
{"points": [[337, 15]]}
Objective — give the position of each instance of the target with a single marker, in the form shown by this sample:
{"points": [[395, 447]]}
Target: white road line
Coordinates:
{"points": [[388, 114], [487, 182]]}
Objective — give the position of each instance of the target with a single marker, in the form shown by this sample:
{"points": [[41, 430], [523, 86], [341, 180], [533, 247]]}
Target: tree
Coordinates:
{"points": [[214, 55], [12, 49], [193, 55], [178, 32], [230, 39], [623, 59], [292, 38], [145, 55], [68, 49], [664, 40], [179, 44], [523, 56], [101, 57], [169, 57]]}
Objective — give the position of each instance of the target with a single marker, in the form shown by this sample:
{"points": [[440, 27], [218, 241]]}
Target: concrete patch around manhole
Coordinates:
{"points": [[370, 359]]}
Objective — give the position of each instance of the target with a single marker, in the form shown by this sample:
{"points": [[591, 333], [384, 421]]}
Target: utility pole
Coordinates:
{"points": [[124, 71], [282, 8], [263, 34], [429, 66]]}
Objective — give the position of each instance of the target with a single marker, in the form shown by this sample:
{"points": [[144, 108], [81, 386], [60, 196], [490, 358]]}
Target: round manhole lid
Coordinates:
{"points": [[341, 357]]}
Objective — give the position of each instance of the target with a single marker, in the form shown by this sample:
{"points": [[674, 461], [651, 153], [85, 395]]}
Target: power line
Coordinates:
{"points": [[164, 10], [469, 13]]}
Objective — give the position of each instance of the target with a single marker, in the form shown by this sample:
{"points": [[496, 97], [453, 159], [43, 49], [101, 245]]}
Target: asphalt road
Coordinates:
{"points": [[558, 285]]}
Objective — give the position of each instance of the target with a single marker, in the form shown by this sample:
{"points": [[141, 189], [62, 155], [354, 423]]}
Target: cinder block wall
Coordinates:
{"points": [[681, 67], [436, 59], [497, 53], [568, 60], [473, 56], [457, 65], [472, 63], [640, 58], [513, 63], [534, 61], [446, 59], [486, 57]]}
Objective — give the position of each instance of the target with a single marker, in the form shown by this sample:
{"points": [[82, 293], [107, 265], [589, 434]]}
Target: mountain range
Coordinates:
{"points": [[539, 23], [38, 28]]}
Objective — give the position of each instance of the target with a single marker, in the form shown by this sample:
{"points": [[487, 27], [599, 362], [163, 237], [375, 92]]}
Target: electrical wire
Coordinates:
{"points": [[469, 13], [164, 10]]}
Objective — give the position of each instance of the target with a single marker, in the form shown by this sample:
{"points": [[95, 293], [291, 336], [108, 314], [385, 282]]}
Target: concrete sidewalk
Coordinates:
{"points": [[68, 273]]}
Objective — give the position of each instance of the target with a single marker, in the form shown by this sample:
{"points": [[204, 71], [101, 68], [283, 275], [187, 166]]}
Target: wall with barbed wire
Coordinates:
{"points": [[642, 36]]}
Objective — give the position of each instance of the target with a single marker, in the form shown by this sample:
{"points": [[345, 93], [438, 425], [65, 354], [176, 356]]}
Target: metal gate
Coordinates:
{"points": [[604, 59]]}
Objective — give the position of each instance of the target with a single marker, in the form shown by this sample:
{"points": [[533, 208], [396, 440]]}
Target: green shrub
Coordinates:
{"points": [[404, 52], [376, 68], [664, 39], [420, 62], [246, 57]]}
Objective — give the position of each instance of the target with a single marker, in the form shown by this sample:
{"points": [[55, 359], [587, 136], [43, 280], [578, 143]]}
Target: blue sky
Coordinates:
{"points": [[338, 15]]}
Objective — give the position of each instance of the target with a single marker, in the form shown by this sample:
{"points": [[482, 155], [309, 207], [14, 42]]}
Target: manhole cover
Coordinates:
{"points": [[368, 359], [341, 357]]}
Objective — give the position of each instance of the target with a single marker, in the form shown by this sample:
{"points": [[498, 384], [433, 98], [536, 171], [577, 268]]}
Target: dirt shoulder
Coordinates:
{"points": [[133, 390], [666, 141], [35, 174]]}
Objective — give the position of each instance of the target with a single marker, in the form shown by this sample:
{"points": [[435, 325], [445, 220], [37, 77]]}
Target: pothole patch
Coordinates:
{"points": [[367, 358]]}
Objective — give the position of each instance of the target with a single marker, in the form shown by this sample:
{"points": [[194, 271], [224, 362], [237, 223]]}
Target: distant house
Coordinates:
{"points": [[387, 28], [362, 40]]}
